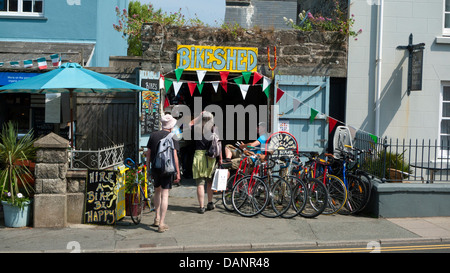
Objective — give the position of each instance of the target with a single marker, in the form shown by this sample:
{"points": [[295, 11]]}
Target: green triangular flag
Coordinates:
{"points": [[314, 113], [374, 138], [200, 87], [238, 80], [247, 76], [178, 73], [167, 84], [267, 91]]}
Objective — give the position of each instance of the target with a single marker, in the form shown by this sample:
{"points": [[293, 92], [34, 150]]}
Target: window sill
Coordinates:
{"points": [[443, 40], [23, 17]]}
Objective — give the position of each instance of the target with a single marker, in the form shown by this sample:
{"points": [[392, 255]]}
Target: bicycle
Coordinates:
{"points": [[317, 193], [357, 182], [337, 191], [141, 191], [244, 166], [250, 194]]}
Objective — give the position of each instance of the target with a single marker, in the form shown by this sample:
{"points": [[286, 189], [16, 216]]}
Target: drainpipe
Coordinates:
{"points": [[379, 63]]}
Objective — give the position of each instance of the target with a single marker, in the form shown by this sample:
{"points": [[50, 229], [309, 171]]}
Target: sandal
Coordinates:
{"points": [[163, 228], [156, 223]]}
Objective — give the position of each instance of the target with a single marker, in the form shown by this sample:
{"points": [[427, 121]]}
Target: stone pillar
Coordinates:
{"points": [[50, 200]]}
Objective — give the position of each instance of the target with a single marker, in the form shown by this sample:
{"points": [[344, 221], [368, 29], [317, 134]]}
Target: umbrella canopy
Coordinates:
{"points": [[69, 78]]}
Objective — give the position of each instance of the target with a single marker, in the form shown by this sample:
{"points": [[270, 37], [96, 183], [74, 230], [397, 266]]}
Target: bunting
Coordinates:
{"points": [[280, 93], [42, 63], [176, 87], [314, 113], [224, 75], [215, 86], [256, 78], [27, 63], [244, 89], [55, 60], [192, 86], [178, 73], [200, 75], [331, 124], [200, 87]]}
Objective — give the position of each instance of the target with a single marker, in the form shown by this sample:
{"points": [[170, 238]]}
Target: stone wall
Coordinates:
{"points": [[59, 193], [298, 52]]}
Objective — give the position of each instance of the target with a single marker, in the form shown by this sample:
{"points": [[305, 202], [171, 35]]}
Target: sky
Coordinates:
{"points": [[210, 12]]}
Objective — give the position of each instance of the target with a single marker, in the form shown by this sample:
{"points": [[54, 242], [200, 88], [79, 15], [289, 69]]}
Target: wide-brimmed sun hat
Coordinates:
{"points": [[168, 122]]}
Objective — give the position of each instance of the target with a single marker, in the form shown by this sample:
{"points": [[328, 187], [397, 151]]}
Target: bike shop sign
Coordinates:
{"points": [[215, 58]]}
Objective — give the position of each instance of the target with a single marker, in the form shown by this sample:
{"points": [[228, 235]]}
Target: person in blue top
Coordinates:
{"points": [[232, 153]]}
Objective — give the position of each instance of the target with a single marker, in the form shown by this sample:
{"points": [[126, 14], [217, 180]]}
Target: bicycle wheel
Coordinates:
{"points": [[136, 203], [226, 194], [298, 196], [280, 196], [317, 199], [356, 195], [250, 196], [368, 183], [150, 194], [337, 194]]}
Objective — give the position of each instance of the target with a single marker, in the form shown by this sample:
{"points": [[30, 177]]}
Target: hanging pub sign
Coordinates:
{"points": [[214, 58], [100, 204], [415, 64], [416, 68]]}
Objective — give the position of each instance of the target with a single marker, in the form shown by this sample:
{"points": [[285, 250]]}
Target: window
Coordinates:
{"points": [[444, 134], [22, 7], [446, 17]]}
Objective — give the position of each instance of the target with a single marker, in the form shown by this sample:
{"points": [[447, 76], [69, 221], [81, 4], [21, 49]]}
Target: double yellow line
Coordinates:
{"points": [[361, 249]]}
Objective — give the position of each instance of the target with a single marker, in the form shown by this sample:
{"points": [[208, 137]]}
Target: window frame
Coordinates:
{"points": [[443, 153], [22, 13]]}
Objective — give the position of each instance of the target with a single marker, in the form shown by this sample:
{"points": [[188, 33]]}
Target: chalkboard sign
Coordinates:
{"points": [[100, 204], [150, 107]]}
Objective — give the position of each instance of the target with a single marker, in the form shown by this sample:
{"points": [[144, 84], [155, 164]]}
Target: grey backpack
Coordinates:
{"points": [[164, 160], [215, 147]]}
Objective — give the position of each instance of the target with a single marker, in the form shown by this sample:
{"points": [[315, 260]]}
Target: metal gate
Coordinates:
{"points": [[308, 92]]}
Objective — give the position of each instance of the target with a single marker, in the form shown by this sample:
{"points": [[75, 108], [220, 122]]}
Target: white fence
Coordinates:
{"points": [[99, 159]]}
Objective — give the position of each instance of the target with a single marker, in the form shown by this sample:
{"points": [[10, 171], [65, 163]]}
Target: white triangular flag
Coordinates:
{"points": [[177, 86], [161, 82], [201, 75], [266, 82], [215, 85], [296, 103], [244, 89]]}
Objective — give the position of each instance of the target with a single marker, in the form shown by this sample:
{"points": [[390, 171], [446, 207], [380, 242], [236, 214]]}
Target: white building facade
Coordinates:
{"points": [[378, 100]]}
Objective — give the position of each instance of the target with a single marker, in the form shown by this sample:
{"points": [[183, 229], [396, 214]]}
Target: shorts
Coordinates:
{"points": [[163, 181], [235, 152]]}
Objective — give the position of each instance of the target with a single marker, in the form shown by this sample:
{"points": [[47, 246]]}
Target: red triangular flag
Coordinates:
{"points": [[224, 85], [224, 75], [166, 103], [280, 93], [332, 123], [256, 77], [192, 86]]}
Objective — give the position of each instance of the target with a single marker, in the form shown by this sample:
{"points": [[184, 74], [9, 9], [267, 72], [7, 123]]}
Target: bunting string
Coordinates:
{"points": [[41, 62]]}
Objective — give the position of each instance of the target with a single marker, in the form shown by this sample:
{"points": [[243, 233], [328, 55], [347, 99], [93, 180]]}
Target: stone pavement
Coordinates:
{"points": [[220, 230]]}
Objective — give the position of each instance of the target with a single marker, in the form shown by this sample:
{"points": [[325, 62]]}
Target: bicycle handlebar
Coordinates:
{"points": [[129, 163]]}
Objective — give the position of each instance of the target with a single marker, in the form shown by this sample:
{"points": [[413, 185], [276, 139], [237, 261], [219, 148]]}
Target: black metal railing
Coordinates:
{"points": [[396, 160]]}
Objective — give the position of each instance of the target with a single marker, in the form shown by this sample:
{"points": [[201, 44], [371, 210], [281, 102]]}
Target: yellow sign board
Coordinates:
{"points": [[217, 58]]}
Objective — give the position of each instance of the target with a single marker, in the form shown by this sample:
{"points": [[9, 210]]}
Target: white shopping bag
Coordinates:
{"points": [[220, 180]]}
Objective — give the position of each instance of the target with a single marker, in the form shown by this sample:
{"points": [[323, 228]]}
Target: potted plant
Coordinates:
{"points": [[15, 188]]}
